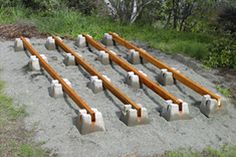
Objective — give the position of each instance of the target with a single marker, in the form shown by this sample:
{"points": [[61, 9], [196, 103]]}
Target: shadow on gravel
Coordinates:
{"points": [[120, 73]]}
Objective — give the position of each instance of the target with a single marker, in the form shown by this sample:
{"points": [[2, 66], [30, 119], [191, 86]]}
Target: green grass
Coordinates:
{"points": [[8, 112], [224, 91], [26, 150], [72, 23], [11, 118], [225, 151]]}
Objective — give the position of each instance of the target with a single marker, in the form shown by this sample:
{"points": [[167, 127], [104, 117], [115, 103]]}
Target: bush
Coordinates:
{"points": [[9, 3], [86, 7], [227, 19], [222, 54], [43, 5]]}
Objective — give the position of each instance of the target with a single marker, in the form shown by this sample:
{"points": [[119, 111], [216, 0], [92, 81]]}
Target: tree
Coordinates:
{"points": [[126, 10]]}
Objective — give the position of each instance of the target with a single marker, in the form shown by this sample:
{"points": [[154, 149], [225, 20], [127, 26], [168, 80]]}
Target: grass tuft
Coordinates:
{"points": [[224, 91]]}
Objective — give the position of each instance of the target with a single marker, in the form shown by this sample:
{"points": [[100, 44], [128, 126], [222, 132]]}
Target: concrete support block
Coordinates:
{"points": [[133, 80], [133, 57], [84, 122], [103, 57], [34, 63], [95, 84], [208, 106], [170, 111], [130, 118], [50, 43], [56, 89], [81, 41], [18, 45], [165, 77], [107, 40], [69, 59]]}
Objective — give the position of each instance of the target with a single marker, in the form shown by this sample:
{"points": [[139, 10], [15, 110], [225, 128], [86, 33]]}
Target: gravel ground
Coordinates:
{"points": [[53, 119]]}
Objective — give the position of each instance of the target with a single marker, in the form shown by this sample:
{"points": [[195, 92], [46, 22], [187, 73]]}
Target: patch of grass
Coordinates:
{"points": [[223, 91], [26, 150], [8, 112], [14, 140], [225, 151], [182, 153], [13, 14]]}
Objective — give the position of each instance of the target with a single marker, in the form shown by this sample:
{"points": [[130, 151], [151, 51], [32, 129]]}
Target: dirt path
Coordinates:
{"points": [[53, 118]]}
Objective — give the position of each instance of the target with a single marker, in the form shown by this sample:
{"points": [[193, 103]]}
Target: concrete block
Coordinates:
{"points": [[133, 57], [133, 80], [107, 40], [69, 59], [208, 106], [18, 45], [95, 84], [103, 57], [34, 63], [50, 43], [81, 41], [170, 111], [85, 125], [56, 89], [130, 118], [165, 77], [44, 58]]}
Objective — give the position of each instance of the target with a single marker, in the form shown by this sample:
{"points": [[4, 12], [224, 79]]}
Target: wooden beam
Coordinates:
{"points": [[114, 90], [67, 89], [126, 66], [178, 76]]}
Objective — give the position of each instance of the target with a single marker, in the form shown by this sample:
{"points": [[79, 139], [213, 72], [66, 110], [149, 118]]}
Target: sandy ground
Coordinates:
{"points": [[53, 119]]}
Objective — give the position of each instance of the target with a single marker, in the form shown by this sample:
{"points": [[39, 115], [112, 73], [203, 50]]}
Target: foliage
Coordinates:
{"points": [[86, 7], [9, 3], [226, 20], [222, 53], [43, 5]]}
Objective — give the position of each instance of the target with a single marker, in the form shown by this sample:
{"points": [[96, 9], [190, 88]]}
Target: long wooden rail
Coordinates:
{"points": [[126, 66], [122, 97], [69, 91], [178, 76]]}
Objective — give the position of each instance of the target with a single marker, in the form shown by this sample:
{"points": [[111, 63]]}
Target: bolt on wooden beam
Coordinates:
{"points": [[126, 66], [114, 90], [67, 89], [178, 76]]}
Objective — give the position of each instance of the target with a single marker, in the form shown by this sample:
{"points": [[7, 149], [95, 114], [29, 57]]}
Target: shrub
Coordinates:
{"points": [[227, 19], [43, 5], [222, 54], [86, 7], [9, 3]]}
